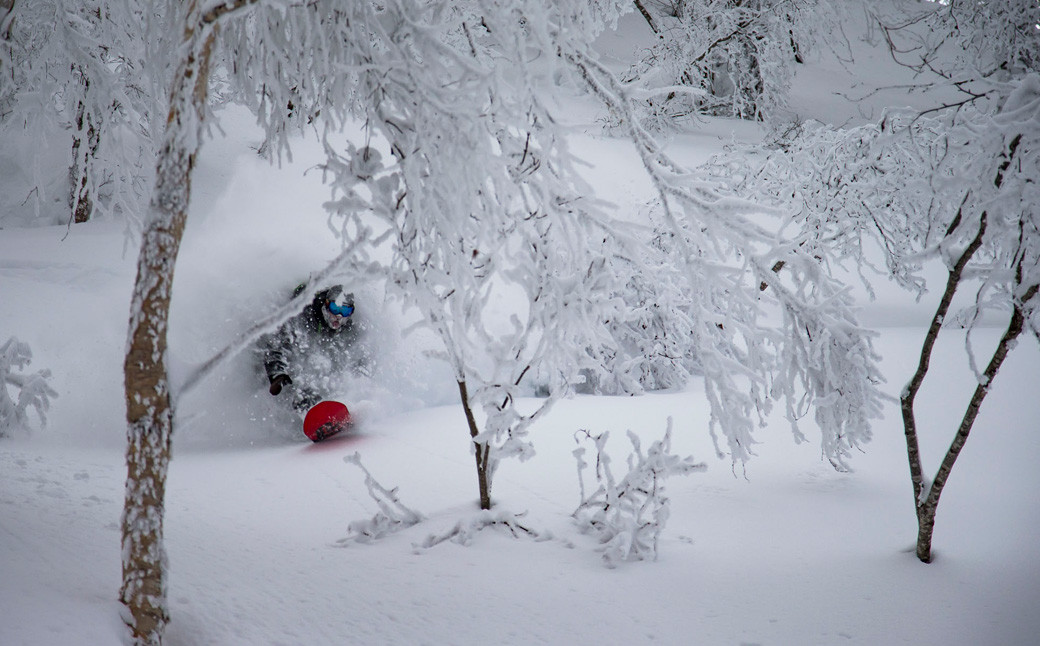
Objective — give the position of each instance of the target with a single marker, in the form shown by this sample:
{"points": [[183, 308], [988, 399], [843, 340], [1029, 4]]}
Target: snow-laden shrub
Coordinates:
{"points": [[392, 517], [628, 515], [30, 390]]}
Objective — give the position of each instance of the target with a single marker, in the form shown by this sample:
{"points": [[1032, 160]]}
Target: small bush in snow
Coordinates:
{"points": [[31, 389], [392, 517], [628, 515]]}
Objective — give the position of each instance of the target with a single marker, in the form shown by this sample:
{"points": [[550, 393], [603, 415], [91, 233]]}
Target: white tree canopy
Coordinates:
{"points": [[469, 197]]}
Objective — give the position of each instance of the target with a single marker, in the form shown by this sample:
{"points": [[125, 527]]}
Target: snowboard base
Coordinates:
{"points": [[325, 419]]}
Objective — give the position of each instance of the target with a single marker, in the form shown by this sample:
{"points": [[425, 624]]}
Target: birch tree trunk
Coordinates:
{"points": [[84, 150], [149, 411], [926, 494]]}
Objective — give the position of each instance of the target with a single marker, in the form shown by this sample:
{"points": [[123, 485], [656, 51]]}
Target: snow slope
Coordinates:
{"points": [[788, 553]]}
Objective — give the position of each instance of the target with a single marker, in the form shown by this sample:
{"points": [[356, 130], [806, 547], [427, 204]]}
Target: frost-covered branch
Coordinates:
{"points": [[734, 58], [969, 47], [817, 356], [463, 532], [393, 515]]}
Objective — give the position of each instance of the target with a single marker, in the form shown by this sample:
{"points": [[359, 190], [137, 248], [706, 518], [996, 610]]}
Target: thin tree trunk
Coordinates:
{"points": [[481, 452], [910, 391], [926, 501], [149, 411], [926, 508], [80, 198]]}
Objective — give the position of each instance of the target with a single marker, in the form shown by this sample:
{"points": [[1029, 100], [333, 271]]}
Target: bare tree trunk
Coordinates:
{"points": [[81, 199], [481, 452], [910, 391], [926, 501], [926, 508], [149, 411]]}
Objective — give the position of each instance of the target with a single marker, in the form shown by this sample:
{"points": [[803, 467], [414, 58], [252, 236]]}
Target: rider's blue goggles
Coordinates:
{"points": [[341, 310]]}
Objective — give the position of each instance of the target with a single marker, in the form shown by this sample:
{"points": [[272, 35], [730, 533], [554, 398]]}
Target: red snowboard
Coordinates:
{"points": [[325, 419]]}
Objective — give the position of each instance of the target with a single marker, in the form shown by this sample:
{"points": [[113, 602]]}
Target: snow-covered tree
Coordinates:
{"points": [[986, 209], [30, 390], [498, 263], [724, 57], [743, 274], [489, 233], [956, 184], [74, 72]]}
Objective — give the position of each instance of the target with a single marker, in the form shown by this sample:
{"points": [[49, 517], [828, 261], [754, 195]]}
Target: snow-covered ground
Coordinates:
{"points": [[788, 553]]}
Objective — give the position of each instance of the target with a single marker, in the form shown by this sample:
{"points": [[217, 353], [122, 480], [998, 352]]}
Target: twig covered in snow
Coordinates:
{"points": [[464, 530], [393, 515]]}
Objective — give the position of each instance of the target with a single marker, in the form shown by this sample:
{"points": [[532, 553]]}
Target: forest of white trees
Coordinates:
{"points": [[464, 194]]}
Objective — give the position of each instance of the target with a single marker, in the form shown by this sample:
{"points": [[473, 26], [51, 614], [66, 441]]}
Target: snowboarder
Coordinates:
{"points": [[311, 350]]}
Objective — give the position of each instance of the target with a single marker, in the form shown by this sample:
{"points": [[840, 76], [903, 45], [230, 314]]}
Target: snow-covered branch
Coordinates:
{"points": [[738, 270], [393, 515], [731, 58]]}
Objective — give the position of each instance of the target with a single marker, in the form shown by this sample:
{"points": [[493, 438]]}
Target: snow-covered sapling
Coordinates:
{"points": [[32, 389], [628, 515]]}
